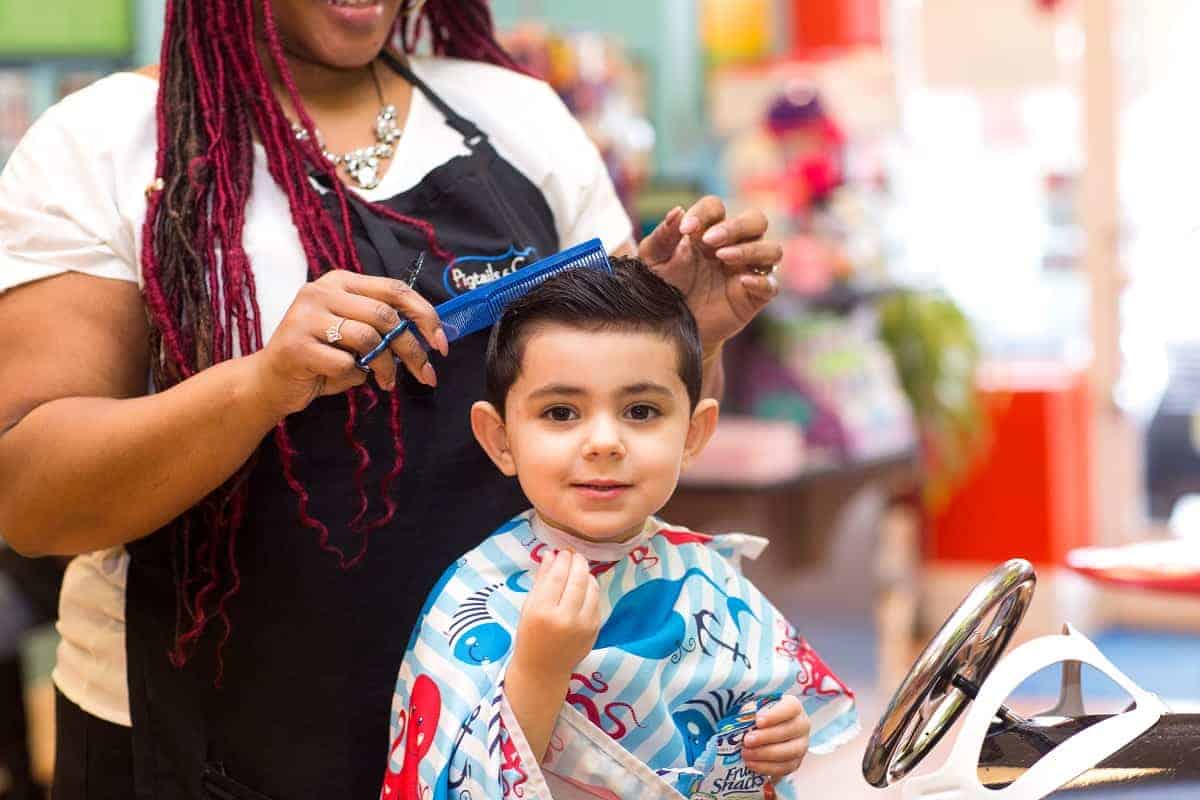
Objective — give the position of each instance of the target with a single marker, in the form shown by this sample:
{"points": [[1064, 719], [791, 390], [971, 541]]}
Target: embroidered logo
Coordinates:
{"points": [[468, 272]]}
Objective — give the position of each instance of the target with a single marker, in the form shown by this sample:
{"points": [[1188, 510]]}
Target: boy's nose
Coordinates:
{"points": [[604, 441]]}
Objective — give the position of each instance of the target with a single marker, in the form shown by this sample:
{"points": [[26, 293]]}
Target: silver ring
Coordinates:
{"points": [[333, 334]]}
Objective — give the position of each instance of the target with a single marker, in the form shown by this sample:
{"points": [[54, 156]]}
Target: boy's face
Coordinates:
{"points": [[596, 428]]}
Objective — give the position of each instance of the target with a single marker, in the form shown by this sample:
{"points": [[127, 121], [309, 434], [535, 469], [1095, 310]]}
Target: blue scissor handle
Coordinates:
{"points": [[388, 338]]}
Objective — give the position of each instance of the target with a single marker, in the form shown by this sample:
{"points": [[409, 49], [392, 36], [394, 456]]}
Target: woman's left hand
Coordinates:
{"points": [[722, 265], [779, 740]]}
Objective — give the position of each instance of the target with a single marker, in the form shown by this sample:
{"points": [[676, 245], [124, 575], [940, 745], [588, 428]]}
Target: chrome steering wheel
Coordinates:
{"points": [[948, 673]]}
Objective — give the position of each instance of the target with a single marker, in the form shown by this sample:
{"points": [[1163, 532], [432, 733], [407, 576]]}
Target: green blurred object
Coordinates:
{"points": [[937, 354], [65, 28], [659, 197]]}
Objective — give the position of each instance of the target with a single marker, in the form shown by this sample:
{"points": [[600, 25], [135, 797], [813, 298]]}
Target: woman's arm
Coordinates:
{"points": [[88, 460]]}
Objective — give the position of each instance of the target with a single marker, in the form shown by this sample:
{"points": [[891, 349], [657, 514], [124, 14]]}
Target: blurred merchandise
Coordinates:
{"points": [[736, 30], [25, 91], [1172, 439], [603, 88], [16, 112], [806, 143], [1064, 232], [830, 374], [28, 607], [72, 81], [1184, 522]]}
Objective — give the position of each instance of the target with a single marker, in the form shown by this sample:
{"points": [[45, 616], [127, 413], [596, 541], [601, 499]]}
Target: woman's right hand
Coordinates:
{"points": [[299, 363]]}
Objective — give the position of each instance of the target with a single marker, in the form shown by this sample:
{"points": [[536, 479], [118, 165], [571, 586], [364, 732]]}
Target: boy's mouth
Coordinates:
{"points": [[601, 488]]}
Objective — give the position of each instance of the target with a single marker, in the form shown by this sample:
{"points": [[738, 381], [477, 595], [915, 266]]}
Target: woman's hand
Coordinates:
{"points": [[779, 740], [300, 363], [560, 619], [723, 266]]}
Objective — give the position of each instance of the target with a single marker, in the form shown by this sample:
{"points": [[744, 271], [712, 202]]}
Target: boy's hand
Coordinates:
{"points": [[561, 618], [779, 740]]}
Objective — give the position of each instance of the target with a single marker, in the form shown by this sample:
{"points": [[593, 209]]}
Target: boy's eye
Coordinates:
{"points": [[560, 413], [642, 412]]}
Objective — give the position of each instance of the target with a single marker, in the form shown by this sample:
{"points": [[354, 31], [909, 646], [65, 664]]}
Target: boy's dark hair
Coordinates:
{"points": [[632, 298]]}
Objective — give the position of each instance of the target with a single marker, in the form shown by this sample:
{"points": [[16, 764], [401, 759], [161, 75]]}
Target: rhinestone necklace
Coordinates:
{"points": [[362, 164]]}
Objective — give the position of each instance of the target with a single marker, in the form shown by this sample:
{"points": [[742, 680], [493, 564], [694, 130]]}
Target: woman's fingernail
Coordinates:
{"points": [[729, 253], [689, 224], [428, 376], [440, 340], [715, 236]]}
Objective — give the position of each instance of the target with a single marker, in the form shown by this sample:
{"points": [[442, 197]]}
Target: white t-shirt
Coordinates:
{"points": [[72, 198]]}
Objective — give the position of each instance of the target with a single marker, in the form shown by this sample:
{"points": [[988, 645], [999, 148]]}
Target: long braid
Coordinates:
{"points": [[215, 99]]}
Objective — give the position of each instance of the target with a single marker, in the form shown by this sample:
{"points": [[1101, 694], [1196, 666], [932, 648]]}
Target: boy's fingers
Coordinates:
{"points": [[785, 709], [591, 600], [576, 584], [553, 576], [783, 732], [539, 579], [783, 752]]}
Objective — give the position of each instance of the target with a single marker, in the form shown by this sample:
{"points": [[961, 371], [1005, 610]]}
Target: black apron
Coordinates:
{"points": [[311, 662]]}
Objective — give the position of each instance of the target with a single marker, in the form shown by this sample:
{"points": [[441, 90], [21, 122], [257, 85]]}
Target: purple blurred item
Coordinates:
{"points": [[761, 386], [796, 108]]}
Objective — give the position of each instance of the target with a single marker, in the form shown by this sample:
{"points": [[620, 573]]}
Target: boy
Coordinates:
{"points": [[651, 635]]}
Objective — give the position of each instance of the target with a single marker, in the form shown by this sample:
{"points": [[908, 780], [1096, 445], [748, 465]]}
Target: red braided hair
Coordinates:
{"points": [[214, 97]]}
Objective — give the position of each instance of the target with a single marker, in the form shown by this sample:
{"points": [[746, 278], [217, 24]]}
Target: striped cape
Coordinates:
{"points": [[686, 642]]}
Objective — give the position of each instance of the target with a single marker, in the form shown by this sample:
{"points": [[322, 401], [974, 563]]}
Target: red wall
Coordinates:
{"points": [[1030, 495], [823, 25]]}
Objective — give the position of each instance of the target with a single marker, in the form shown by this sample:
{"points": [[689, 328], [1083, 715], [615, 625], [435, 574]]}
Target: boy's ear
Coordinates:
{"points": [[489, 431], [700, 429]]}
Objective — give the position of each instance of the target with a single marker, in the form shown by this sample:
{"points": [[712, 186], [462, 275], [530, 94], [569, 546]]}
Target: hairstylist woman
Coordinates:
{"points": [[256, 531]]}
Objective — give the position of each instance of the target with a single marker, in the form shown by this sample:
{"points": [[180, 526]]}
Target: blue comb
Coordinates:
{"points": [[481, 307]]}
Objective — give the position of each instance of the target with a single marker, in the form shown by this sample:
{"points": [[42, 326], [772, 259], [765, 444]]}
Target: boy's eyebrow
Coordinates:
{"points": [[645, 387], [558, 389]]}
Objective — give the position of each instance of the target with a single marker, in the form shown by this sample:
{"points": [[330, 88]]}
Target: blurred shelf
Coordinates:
{"points": [[802, 514], [846, 296], [840, 298], [818, 468]]}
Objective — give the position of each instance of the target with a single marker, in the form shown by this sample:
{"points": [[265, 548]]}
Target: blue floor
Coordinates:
{"points": [[1167, 664]]}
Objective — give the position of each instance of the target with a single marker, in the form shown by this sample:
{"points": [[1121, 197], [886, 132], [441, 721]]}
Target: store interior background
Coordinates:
{"points": [[986, 345]]}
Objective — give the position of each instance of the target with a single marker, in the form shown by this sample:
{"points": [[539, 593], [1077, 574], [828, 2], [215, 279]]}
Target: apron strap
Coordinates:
{"points": [[383, 239], [471, 134]]}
